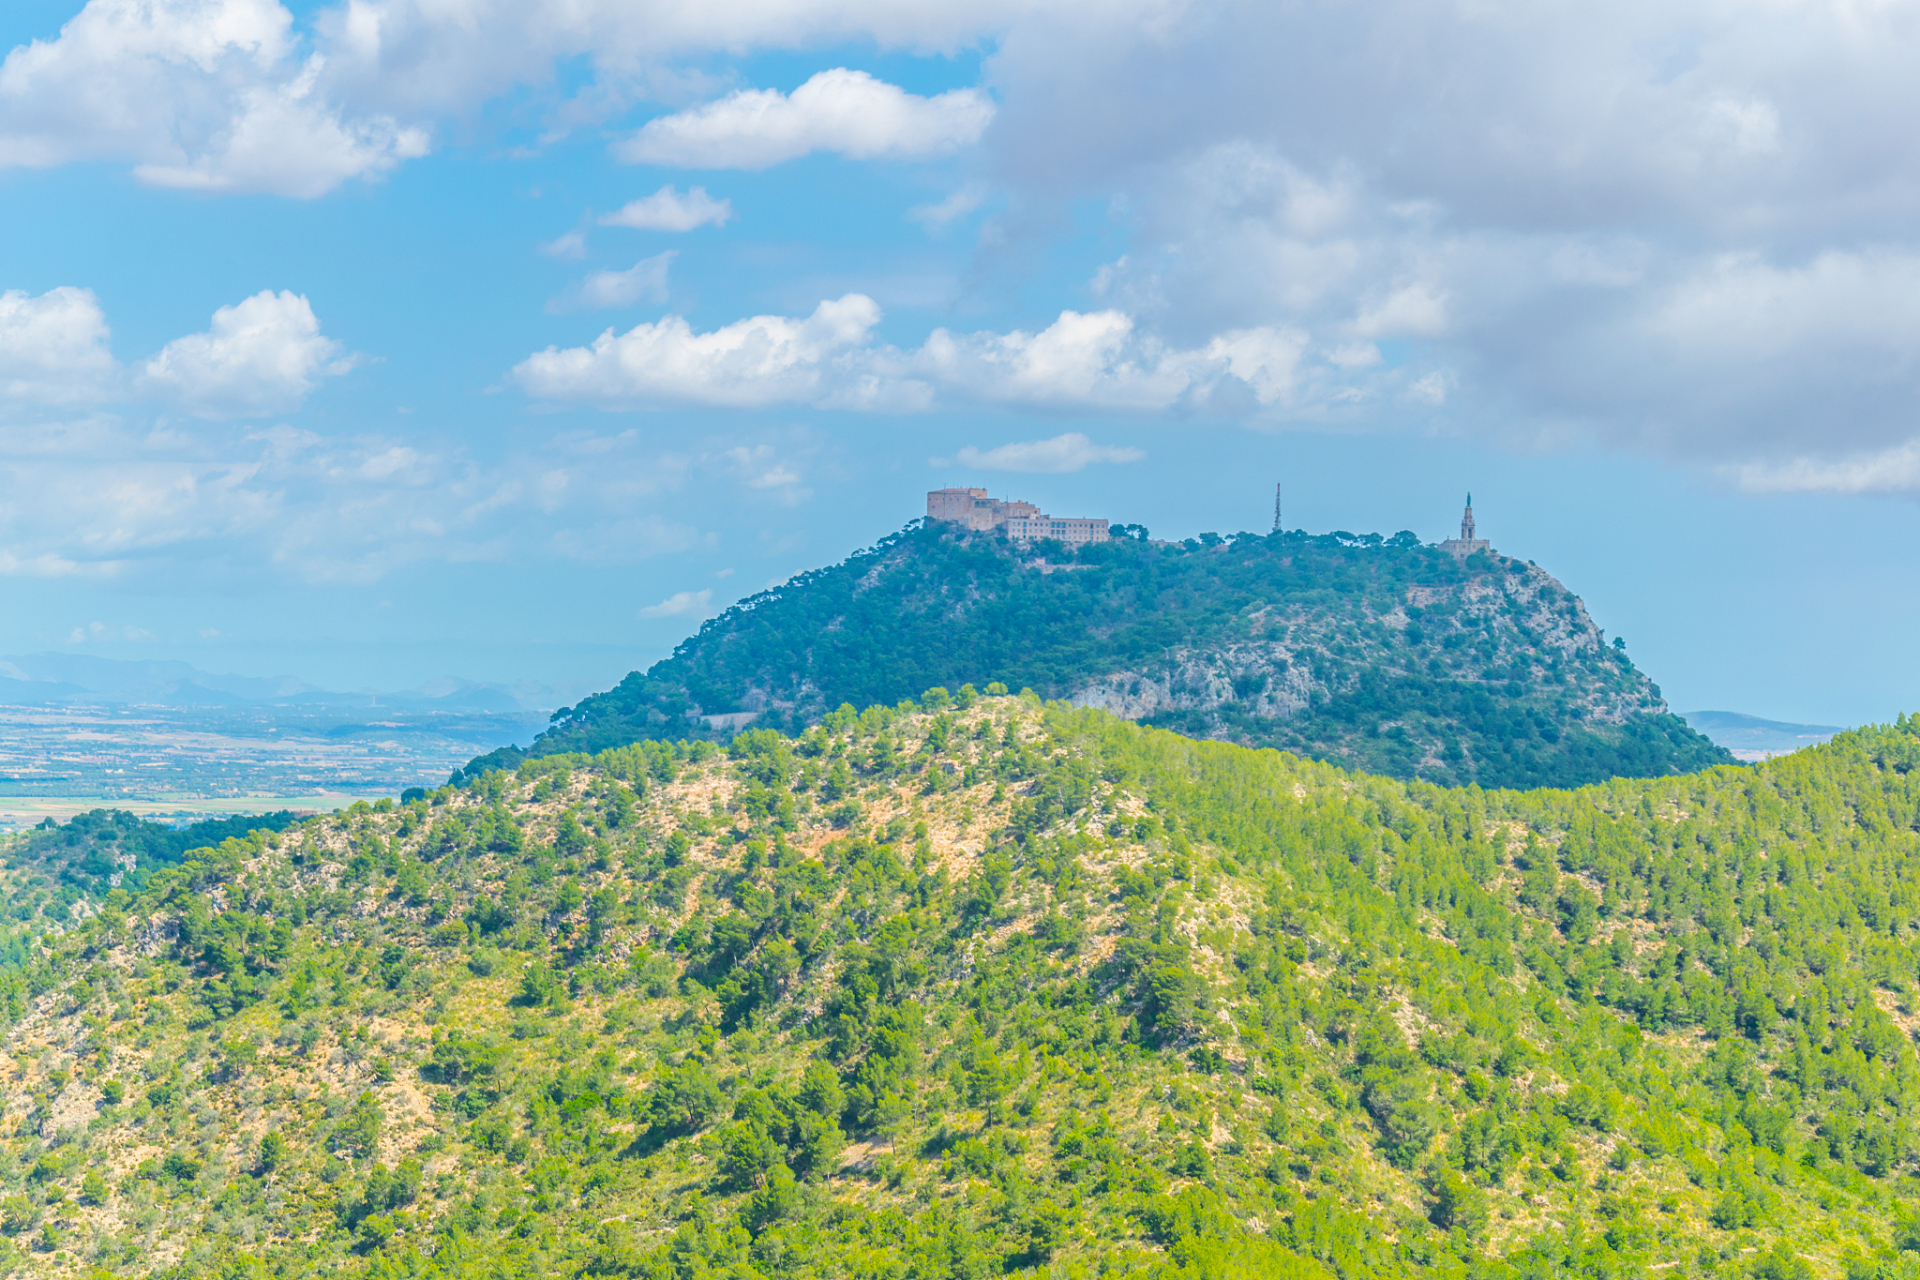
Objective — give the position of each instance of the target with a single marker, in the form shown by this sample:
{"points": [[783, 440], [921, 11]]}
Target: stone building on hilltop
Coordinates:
{"points": [[1466, 544], [1022, 521]]}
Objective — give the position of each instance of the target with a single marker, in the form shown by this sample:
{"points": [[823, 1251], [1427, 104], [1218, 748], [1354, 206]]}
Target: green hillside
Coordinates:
{"points": [[1377, 654], [975, 987], [97, 851]]}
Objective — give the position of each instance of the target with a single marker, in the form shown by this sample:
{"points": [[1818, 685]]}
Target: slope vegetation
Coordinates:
{"points": [[974, 986], [1382, 655]]}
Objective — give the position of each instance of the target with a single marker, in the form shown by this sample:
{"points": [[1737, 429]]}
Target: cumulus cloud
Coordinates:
{"points": [[261, 355], [681, 604], [1078, 360], [849, 112], [668, 210], [280, 140], [229, 95], [645, 281], [1063, 453], [53, 348], [1706, 260], [1090, 361], [758, 361], [1531, 216], [1100, 361], [409, 56], [206, 94]]}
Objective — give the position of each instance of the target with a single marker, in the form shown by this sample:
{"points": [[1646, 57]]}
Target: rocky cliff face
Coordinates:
{"points": [[1510, 631], [1377, 653]]}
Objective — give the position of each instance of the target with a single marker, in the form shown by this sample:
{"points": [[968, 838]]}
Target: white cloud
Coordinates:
{"points": [[1430, 389], [1355, 355], [280, 140], [1751, 125], [680, 604], [1266, 359], [958, 205], [668, 210], [1101, 360], [843, 111], [261, 355], [1794, 374], [1895, 470], [1705, 256], [102, 497], [1411, 310], [446, 56], [53, 348], [1743, 309], [234, 95], [207, 94], [761, 468], [1079, 362], [571, 245], [758, 361], [645, 281], [1677, 228], [1063, 453]]}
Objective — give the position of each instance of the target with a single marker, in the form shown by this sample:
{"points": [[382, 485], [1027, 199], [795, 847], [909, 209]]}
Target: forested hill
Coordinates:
{"points": [[971, 987], [1378, 654], [106, 848]]}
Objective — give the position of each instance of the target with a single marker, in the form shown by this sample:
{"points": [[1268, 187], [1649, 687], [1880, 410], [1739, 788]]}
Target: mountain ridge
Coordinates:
{"points": [[39, 678], [1756, 738]]}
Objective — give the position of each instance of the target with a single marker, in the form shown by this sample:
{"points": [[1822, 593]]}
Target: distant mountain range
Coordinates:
{"points": [[1751, 738], [1374, 653], [73, 678]]}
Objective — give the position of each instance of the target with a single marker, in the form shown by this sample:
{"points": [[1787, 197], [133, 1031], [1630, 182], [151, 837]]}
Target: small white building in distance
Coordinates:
{"points": [[1023, 522], [1466, 544]]}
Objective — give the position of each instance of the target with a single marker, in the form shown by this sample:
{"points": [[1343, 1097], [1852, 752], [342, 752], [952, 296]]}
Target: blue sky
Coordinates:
{"points": [[379, 341]]}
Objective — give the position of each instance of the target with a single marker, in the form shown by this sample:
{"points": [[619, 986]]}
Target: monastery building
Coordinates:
{"points": [[1023, 522]]}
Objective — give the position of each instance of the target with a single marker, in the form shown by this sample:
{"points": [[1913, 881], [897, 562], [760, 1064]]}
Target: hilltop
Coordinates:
{"points": [[968, 986], [1375, 653]]}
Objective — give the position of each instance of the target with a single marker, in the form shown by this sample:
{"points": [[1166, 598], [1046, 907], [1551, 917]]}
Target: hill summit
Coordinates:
{"points": [[1374, 653]]}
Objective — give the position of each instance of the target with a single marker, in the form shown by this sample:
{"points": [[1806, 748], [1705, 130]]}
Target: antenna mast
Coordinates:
{"points": [[1276, 508]]}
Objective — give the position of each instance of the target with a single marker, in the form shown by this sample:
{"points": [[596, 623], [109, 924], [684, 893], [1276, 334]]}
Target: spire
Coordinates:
{"points": [[1466, 544]]}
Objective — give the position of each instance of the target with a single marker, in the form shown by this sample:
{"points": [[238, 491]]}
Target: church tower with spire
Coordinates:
{"points": [[1466, 544]]}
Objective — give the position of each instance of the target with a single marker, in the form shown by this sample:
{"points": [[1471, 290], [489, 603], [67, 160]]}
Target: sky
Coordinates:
{"points": [[386, 340]]}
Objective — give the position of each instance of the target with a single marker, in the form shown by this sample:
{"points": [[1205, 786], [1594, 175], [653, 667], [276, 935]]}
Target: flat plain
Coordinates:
{"points": [[57, 760]]}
